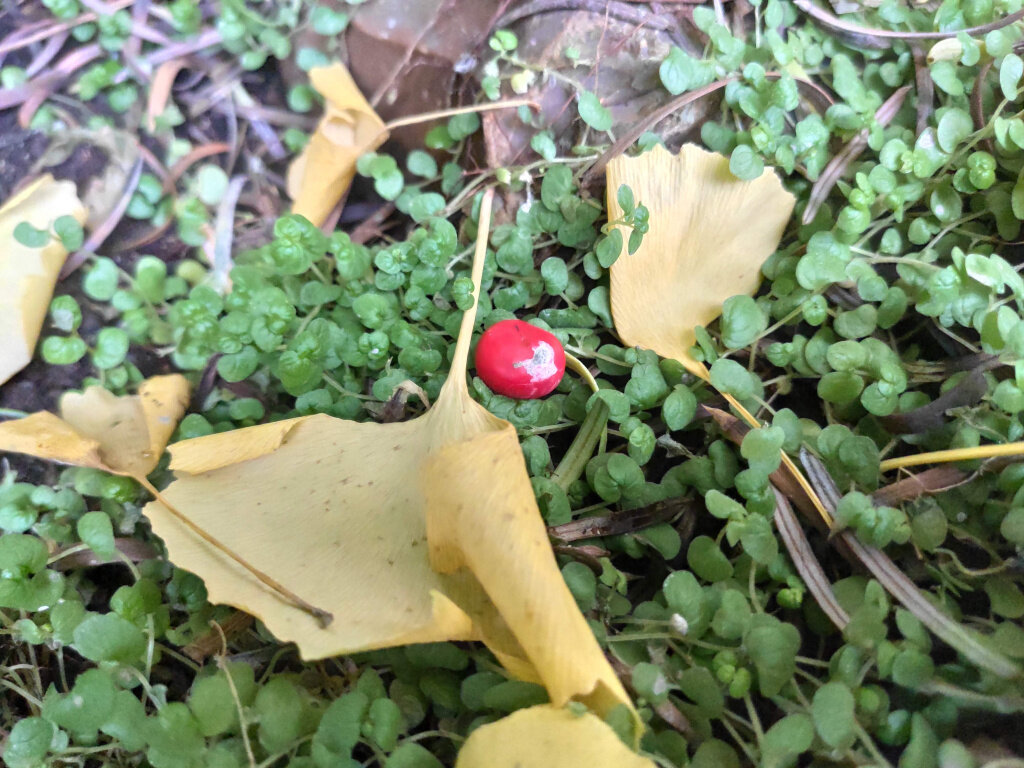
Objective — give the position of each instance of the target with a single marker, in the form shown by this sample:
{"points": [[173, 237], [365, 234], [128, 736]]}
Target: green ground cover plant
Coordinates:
{"points": [[889, 323]]}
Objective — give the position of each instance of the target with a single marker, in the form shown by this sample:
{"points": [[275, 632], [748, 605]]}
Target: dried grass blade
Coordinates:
{"points": [[160, 89], [636, 130], [909, 488], [102, 232], [965, 641], [806, 563], [925, 88], [866, 37], [903, 589], [931, 416]]}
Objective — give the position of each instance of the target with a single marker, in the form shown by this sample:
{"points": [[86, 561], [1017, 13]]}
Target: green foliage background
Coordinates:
{"points": [[904, 281]]}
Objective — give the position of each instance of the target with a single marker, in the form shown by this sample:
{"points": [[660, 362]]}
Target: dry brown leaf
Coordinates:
{"points": [[547, 737], [319, 177], [709, 235], [405, 532], [121, 435], [28, 275]]}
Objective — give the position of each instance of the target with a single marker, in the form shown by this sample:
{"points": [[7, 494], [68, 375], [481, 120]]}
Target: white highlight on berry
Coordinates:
{"points": [[542, 365]]}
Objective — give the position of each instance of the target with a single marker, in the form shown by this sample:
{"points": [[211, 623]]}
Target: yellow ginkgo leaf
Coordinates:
{"points": [[319, 177], [28, 275], [405, 532], [547, 737], [709, 235], [121, 435]]}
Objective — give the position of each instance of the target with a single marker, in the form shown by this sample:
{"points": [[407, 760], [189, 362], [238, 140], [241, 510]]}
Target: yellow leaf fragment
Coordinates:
{"points": [[709, 235], [481, 515], [28, 275], [333, 511], [416, 531], [547, 737], [46, 436], [320, 176], [121, 435]]}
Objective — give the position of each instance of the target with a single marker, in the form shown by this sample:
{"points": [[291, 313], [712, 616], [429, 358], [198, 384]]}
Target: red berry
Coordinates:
{"points": [[519, 360]]}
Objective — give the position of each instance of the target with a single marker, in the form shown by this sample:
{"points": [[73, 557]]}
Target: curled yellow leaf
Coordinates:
{"points": [[320, 176], [406, 532], [547, 737], [709, 235], [121, 435], [28, 275]]}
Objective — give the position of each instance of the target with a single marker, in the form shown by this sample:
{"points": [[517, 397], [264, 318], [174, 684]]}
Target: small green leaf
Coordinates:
{"points": [[339, 729], [743, 321], [63, 350], [923, 746], [212, 702], [421, 164], [544, 145], [758, 540], [675, 71], [327, 21], [608, 248], [239, 365], [1010, 71], [461, 126], [111, 348], [279, 706], [745, 163], [834, 717], [624, 196], [514, 694], [786, 740], [732, 617], [715, 754], [70, 232], [108, 637], [556, 186], [772, 647], [100, 282], [21, 555], [28, 742], [29, 236], [412, 755], [87, 707], [173, 737], [65, 314], [555, 274], [211, 184], [593, 112], [732, 378], [707, 560], [944, 75], [679, 407], [912, 668], [385, 720], [762, 448], [96, 530], [650, 682], [1004, 597], [723, 507]]}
